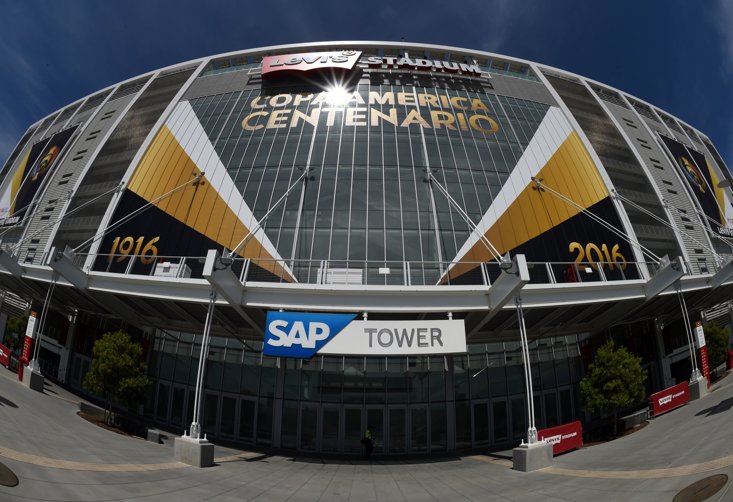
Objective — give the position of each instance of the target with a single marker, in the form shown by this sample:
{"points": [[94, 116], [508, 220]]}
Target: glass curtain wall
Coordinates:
{"points": [[367, 197], [325, 404]]}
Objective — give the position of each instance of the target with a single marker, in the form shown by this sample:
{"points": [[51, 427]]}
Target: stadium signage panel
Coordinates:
{"points": [[669, 398], [429, 110], [310, 61], [303, 335], [424, 64], [346, 60], [563, 437]]}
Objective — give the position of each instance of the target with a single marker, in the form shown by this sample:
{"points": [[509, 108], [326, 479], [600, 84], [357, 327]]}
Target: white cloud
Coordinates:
{"points": [[723, 21], [499, 20]]}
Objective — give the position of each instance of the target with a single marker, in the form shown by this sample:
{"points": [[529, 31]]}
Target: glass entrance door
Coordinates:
{"points": [[375, 418], [178, 406], [228, 416], [480, 418], [331, 430], [354, 429], [308, 427], [247, 408], [500, 423], [397, 431], [419, 427]]}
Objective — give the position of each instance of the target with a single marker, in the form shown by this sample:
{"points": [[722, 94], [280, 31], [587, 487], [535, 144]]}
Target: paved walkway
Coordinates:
{"points": [[59, 456]]}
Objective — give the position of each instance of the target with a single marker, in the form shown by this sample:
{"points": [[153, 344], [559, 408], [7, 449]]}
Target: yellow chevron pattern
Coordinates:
{"points": [[165, 166], [569, 171]]}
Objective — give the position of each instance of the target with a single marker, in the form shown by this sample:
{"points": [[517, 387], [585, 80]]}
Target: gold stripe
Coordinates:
{"points": [[569, 171], [165, 166]]}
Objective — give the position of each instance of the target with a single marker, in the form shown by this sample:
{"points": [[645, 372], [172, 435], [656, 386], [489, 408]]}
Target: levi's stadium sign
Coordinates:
{"points": [[345, 60], [303, 335]]}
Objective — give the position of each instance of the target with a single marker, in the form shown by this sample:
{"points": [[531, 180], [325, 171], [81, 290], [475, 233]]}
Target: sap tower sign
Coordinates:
{"points": [[303, 335]]}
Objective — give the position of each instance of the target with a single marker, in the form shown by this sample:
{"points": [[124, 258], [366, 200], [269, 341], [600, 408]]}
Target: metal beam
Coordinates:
{"points": [[668, 274], [722, 276], [218, 271], [10, 263], [63, 262], [505, 288]]}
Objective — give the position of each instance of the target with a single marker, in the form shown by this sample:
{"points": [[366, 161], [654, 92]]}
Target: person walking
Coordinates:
{"points": [[367, 442]]}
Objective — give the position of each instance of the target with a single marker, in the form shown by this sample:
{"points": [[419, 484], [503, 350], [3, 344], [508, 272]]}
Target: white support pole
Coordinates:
{"points": [[195, 432], [696, 375], [34, 365], [531, 429]]}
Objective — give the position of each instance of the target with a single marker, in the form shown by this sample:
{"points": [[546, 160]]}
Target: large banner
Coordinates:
{"points": [[701, 178], [21, 189]]}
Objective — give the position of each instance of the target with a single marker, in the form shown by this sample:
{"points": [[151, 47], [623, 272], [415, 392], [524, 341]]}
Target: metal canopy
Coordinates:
{"points": [[180, 304]]}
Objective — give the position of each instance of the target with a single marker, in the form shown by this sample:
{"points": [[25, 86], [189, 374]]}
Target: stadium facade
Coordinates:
{"points": [[382, 214]]}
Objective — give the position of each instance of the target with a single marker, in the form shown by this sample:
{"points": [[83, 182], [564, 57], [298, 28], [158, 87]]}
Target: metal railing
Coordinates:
{"points": [[363, 272], [369, 272]]}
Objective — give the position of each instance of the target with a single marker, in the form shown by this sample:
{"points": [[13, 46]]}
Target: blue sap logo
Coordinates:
{"points": [[301, 335]]}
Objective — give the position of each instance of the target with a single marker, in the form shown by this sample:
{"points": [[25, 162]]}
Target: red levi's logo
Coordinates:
{"points": [[309, 61]]}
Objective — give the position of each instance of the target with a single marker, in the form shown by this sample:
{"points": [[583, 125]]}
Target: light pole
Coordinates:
{"points": [[698, 385], [193, 449], [195, 430], [34, 365], [531, 429]]}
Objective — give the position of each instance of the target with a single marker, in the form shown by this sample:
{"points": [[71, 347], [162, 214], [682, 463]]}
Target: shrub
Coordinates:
{"points": [[615, 381]]}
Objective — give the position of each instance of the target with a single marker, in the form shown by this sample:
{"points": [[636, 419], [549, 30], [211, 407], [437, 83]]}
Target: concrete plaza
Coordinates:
{"points": [[59, 456]]}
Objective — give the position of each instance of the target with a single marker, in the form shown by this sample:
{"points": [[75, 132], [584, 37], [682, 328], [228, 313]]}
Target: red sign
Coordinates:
{"points": [[29, 334], [27, 348], [4, 355], [669, 399], [702, 354], [310, 61], [563, 437]]}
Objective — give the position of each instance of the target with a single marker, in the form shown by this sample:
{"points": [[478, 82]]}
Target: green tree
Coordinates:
{"points": [[615, 381], [17, 326], [716, 339], [117, 372]]}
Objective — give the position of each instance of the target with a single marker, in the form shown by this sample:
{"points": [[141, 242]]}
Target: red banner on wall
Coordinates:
{"points": [[669, 399], [563, 437]]}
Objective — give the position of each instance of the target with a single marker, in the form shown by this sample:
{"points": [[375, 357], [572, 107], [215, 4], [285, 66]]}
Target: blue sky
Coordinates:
{"points": [[675, 54]]}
